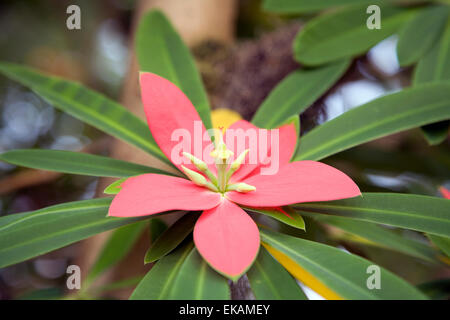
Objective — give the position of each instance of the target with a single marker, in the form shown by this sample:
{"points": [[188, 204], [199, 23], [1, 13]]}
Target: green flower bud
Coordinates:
{"points": [[241, 187], [199, 164], [236, 164], [195, 177]]}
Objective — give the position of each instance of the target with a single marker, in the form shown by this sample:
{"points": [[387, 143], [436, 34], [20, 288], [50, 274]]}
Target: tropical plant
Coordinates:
{"points": [[180, 272]]}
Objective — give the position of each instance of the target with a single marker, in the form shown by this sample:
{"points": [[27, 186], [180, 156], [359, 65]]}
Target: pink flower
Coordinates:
{"points": [[225, 235], [445, 192]]}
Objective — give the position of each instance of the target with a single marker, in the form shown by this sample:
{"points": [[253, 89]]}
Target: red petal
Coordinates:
{"points": [[300, 181], [264, 153], [227, 238], [154, 193], [445, 192], [174, 122]]}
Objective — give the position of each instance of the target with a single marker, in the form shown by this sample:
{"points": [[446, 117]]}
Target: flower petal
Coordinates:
{"points": [[153, 193], [227, 238], [300, 181], [173, 121], [269, 149], [445, 192]]}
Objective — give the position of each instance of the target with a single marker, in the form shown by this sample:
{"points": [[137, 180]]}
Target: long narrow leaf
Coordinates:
{"points": [[420, 33], [409, 108], [435, 65], [289, 216], [171, 238], [75, 163], [443, 243], [378, 235], [118, 245], [270, 281], [30, 234], [420, 213], [158, 282], [197, 281], [160, 50], [306, 6], [436, 133], [86, 105], [344, 33], [297, 92], [344, 273]]}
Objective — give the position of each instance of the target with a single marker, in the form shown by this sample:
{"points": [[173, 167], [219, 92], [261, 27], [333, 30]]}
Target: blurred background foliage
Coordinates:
{"points": [[237, 76]]}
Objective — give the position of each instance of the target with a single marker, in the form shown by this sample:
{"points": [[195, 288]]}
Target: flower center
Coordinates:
{"points": [[219, 183]]}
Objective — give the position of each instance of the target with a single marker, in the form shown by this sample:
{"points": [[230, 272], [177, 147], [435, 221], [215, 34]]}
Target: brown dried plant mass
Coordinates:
{"points": [[241, 77]]}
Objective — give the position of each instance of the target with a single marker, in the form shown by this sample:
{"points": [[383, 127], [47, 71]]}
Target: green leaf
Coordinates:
{"points": [[436, 133], [343, 33], [344, 273], [51, 293], [159, 280], [373, 158], [160, 50], [88, 106], [121, 284], [420, 33], [157, 227], [30, 234], [75, 163], [171, 238], [409, 108], [294, 219], [270, 281], [436, 289], [443, 243], [115, 187], [116, 248], [197, 281], [305, 6], [378, 235], [297, 92], [435, 65], [420, 213]]}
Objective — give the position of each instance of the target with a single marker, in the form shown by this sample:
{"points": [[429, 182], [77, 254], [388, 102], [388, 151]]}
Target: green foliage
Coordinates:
{"points": [[115, 187], [436, 133], [331, 40], [344, 273], [420, 33], [160, 50], [197, 281], [443, 243], [158, 282], [76, 163], [421, 213], [377, 235], [296, 93], [434, 66], [305, 6], [270, 281], [409, 108], [86, 105], [29, 234], [291, 218], [344, 33], [116, 248], [171, 238], [156, 227]]}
